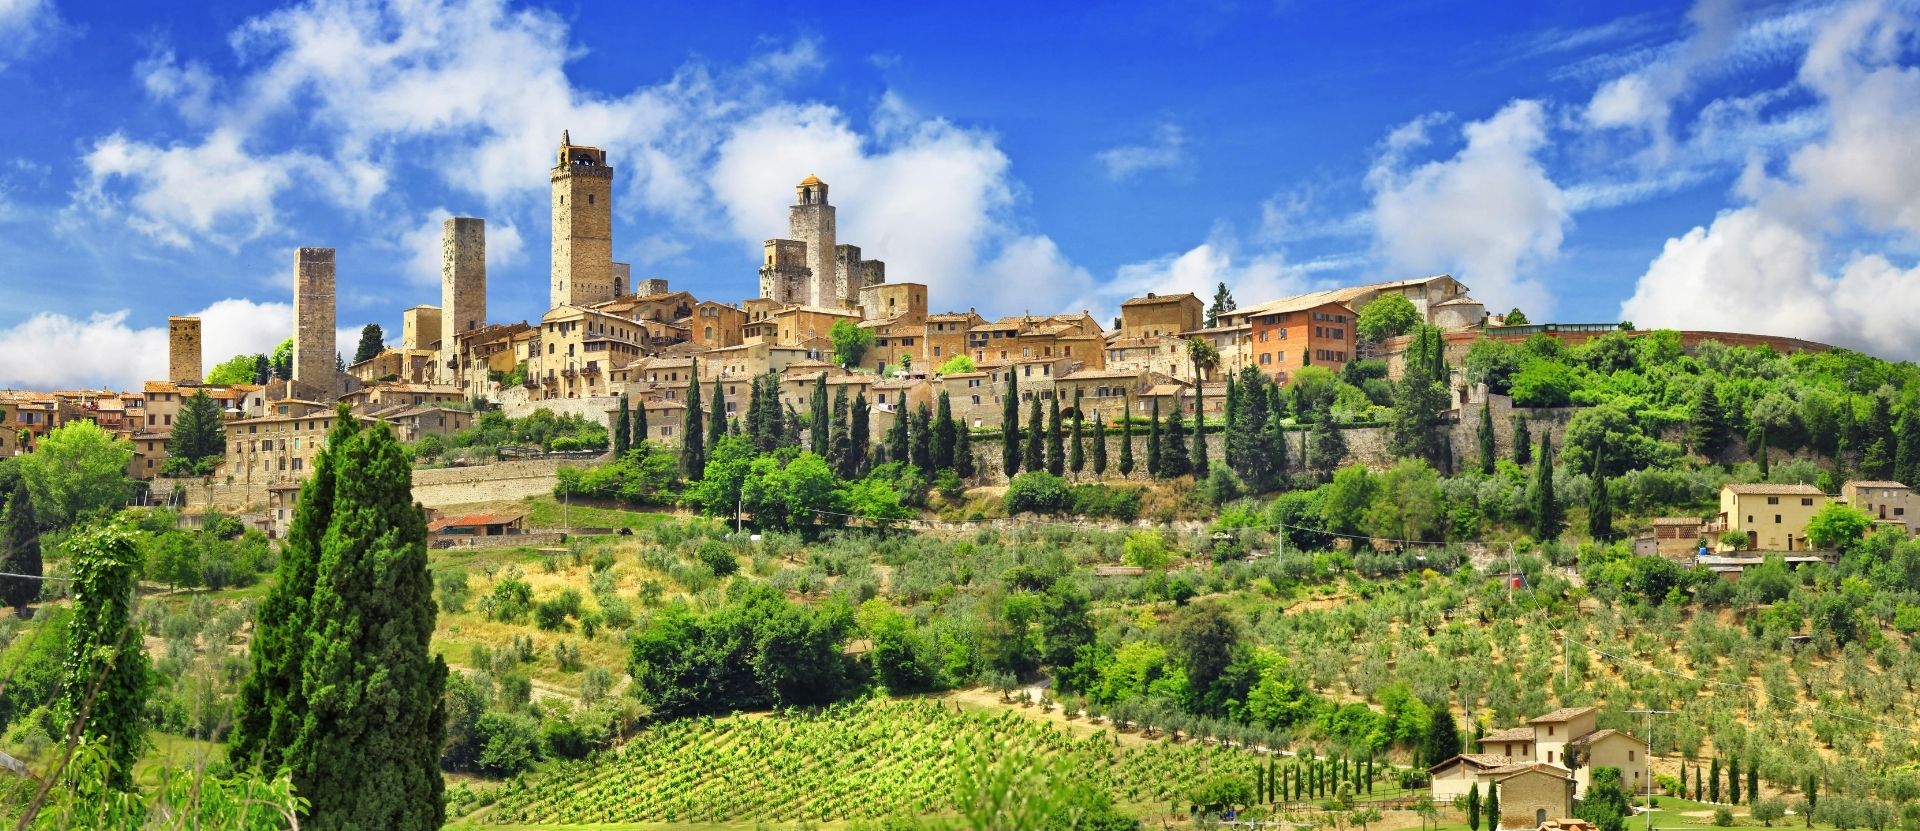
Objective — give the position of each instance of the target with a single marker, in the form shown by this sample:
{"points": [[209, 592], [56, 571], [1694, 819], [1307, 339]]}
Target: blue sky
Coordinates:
{"points": [[1720, 165]]}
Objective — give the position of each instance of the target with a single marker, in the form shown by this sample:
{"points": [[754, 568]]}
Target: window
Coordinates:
{"points": [[1629, 755], [976, 400], [1549, 732], [1266, 358], [1776, 519], [1808, 500], [1773, 500]]}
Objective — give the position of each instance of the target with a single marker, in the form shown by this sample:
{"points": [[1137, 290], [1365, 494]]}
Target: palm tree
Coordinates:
{"points": [[1204, 357]]}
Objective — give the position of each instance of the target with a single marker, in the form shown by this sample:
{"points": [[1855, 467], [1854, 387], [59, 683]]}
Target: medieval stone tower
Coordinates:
{"points": [[811, 221], [463, 286], [314, 357], [582, 225], [183, 350]]}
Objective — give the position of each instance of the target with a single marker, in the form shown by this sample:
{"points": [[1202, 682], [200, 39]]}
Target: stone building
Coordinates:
{"points": [[810, 268], [463, 292], [811, 221], [715, 325], [183, 350], [582, 226], [314, 357], [1890, 504], [1293, 332], [577, 349], [1160, 314], [945, 336], [1773, 516], [853, 275], [278, 447], [420, 328]]}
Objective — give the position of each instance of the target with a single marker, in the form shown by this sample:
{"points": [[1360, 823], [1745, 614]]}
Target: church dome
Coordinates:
{"points": [[811, 180]]}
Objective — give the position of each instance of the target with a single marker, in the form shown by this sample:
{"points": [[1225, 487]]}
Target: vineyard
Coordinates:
{"points": [[861, 760]]}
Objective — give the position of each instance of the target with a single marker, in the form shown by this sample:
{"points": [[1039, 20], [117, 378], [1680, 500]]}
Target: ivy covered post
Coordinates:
{"points": [[103, 682]]}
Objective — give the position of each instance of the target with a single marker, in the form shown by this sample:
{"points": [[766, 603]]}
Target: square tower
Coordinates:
{"points": [[419, 327], [784, 278], [811, 221], [183, 350], [463, 289], [582, 226], [314, 358]]}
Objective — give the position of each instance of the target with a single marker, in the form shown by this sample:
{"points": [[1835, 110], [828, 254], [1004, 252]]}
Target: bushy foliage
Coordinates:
{"points": [[1037, 491]]}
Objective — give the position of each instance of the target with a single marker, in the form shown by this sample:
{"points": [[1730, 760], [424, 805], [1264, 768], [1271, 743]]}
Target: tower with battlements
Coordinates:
{"points": [[463, 288], [811, 221], [183, 350], [582, 226], [315, 369]]}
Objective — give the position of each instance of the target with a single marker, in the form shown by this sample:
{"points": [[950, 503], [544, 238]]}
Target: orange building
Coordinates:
{"points": [[1292, 332]]}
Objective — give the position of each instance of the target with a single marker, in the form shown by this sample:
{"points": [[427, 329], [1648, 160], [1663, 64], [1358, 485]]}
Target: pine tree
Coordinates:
{"points": [[717, 417], [1599, 507], [1906, 456], [1443, 737], [372, 683], [820, 434], [1485, 436], [22, 554], [1522, 441], [1077, 451], [920, 445], [272, 706], [1035, 459], [622, 430], [1175, 459], [372, 342], [1222, 303], [693, 431], [943, 434], [262, 369], [1153, 442], [1878, 442], [1257, 456], [1099, 438], [1548, 515], [1056, 440], [1707, 424], [1198, 460], [1419, 401], [858, 435], [199, 436], [963, 451], [1010, 425], [103, 683], [639, 426], [1329, 443]]}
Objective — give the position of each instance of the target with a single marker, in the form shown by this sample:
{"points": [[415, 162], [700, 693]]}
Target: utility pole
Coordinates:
{"points": [[1648, 762]]}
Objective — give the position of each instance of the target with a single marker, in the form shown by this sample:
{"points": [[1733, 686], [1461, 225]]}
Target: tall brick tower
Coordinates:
{"points": [[313, 348], [582, 225], [463, 286], [183, 350], [810, 220]]}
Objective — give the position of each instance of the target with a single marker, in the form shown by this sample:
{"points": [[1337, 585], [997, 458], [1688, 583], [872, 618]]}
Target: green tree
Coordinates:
{"points": [[238, 369], [1753, 785], [1077, 450], [282, 360], [1204, 357], [1810, 791], [944, 438], [1222, 304], [1522, 441], [639, 425], [1707, 423], [622, 429], [819, 434], [1328, 443], [1549, 517], [372, 341], [693, 430], [1733, 779], [839, 445], [956, 365], [76, 470], [1347, 498], [1713, 781], [1099, 439], [717, 415], [1257, 453], [1599, 507], [1493, 806], [920, 448], [1035, 457], [1125, 464], [1473, 807], [963, 451], [1443, 737], [1175, 459], [1419, 400], [1056, 438], [262, 369], [1837, 527], [858, 436], [1906, 456], [1197, 461], [1202, 639], [1607, 804], [1010, 425], [1514, 318], [850, 342], [1154, 451], [199, 439], [1389, 315], [1485, 437], [21, 556], [104, 684]]}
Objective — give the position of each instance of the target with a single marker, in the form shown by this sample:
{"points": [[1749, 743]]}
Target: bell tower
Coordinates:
{"points": [[810, 220], [582, 225]]}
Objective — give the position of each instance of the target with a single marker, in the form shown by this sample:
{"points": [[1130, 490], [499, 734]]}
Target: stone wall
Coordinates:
{"points": [[518, 402], [183, 350], [439, 487], [463, 286]]}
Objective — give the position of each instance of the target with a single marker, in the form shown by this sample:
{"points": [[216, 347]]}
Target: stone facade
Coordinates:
{"points": [[853, 275], [582, 226], [183, 350], [1531, 796], [1157, 315], [420, 328], [314, 355], [784, 277], [463, 290], [811, 222]]}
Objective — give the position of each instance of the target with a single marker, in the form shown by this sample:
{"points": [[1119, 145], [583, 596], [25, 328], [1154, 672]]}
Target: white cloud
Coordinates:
{"points": [[55, 351], [1483, 214], [216, 190], [1771, 266], [1167, 151], [1643, 99], [25, 25]]}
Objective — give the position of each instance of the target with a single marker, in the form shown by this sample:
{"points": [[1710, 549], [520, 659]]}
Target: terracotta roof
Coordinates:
{"points": [[1524, 768], [1678, 520], [1599, 735], [1769, 488], [1092, 374], [1509, 734], [947, 317], [467, 520], [1479, 760], [1874, 484], [1562, 714], [1298, 303], [1154, 299]]}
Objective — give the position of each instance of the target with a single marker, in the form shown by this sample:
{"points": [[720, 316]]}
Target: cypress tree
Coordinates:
{"points": [[1733, 779], [1443, 737], [838, 446], [1125, 465], [1077, 452], [1010, 425], [943, 434], [1036, 434], [1493, 806], [1056, 441], [1906, 457], [693, 431], [1811, 790], [103, 682], [1713, 781], [1198, 461], [1175, 459], [1548, 516], [1473, 807], [858, 436], [1699, 795], [899, 435], [1522, 441], [1599, 507], [1153, 441], [1707, 424], [820, 435], [1329, 443], [1099, 446], [262, 369], [1683, 781], [1878, 442], [372, 684], [1257, 456], [717, 418], [1229, 441], [920, 445], [639, 425], [1753, 783], [963, 451], [1758, 444], [22, 554], [272, 706], [1485, 436], [622, 430]]}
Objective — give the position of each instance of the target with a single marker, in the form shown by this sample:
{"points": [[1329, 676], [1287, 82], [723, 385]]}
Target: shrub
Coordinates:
{"points": [[718, 557], [1723, 817], [1037, 492], [1106, 501]]}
